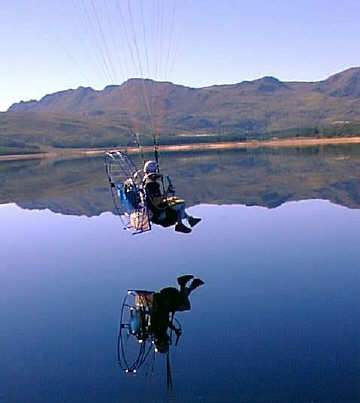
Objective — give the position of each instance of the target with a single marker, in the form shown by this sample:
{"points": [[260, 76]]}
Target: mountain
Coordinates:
{"points": [[252, 177], [249, 107], [345, 84]]}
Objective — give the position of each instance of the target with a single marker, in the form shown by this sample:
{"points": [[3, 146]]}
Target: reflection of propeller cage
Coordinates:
{"points": [[128, 196], [135, 338]]}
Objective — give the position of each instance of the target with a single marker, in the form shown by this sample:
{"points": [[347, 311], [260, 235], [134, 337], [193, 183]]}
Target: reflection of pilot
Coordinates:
{"points": [[167, 301], [166, 210]]}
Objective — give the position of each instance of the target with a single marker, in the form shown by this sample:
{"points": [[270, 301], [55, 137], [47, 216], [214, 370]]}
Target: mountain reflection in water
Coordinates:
{"points": [[262, 177], [277, 321]]}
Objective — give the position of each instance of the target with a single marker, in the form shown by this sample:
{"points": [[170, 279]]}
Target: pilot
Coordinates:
{"points": [[168, 301], [163, 207]]}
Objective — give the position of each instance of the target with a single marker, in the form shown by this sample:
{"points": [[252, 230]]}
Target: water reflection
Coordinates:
{"points": [[249, 177], [278, 319], [148, 323]]}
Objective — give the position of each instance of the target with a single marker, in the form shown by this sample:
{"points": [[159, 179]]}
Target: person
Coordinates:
{"points": [[165, 210], [168, 301]]}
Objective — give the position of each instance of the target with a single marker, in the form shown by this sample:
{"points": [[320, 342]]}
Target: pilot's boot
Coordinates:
{"points": [[180, 227], [195, 284], [184, 279], [193, 221]]}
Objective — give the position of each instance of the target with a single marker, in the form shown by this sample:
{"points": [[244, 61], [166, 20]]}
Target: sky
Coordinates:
{"points": [[48, 46]]}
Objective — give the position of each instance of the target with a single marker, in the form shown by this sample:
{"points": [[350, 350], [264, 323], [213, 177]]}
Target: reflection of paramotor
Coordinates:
{"points": [[135, 337]]}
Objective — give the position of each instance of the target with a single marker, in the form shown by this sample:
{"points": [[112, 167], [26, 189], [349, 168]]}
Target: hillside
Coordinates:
{"points": [[266, 178], [250, 109]]}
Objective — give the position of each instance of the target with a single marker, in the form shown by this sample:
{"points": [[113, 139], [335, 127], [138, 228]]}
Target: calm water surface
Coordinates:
{"points": [[278, 317]]}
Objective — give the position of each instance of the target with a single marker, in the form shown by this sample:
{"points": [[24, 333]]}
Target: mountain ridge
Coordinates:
{"points": [[248, 109], [350, 78]]}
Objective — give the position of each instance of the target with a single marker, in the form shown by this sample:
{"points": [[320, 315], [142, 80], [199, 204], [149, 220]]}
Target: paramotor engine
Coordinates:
{"points": [[135, 338], [127, 191]]}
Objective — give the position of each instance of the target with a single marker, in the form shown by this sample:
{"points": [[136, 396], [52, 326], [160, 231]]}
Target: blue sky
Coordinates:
{"points": [[49, 46]]}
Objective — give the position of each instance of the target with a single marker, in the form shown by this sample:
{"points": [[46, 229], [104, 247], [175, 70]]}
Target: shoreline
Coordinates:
{"points": [[290, 142]]}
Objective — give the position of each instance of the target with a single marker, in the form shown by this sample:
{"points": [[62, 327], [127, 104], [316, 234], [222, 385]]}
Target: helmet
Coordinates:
{"points": [[151, 167]]}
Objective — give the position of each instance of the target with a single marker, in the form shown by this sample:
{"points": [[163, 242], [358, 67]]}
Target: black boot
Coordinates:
{"points": [[180, 227], [196, 283], [184, 279], [193, 221]]}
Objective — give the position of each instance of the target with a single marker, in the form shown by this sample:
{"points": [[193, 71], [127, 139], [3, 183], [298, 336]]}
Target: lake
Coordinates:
{"points": [[276, 321]]}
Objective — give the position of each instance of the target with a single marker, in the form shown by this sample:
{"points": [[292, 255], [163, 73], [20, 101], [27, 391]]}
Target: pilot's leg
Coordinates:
{"points": [[181, 214], [186, 291]]}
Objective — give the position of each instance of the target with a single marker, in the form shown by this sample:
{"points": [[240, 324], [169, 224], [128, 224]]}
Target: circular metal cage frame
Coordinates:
{"points": [[121, 172], [135, 343]]}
